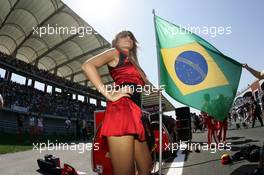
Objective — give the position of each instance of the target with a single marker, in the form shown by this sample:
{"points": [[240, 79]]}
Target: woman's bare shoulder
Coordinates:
{"points": [[102, 58], [111, 52]]}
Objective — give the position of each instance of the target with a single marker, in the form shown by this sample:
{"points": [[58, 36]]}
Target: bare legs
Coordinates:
{"points": [[143, 158], [122, 154], [125, 151]]}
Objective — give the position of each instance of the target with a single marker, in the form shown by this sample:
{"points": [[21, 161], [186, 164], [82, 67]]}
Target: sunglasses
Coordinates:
{"points": [[125, 34]]}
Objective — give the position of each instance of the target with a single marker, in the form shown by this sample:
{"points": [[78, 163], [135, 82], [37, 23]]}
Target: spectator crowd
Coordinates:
{"points": [[246, 110], [38, 101], [34, 70]]}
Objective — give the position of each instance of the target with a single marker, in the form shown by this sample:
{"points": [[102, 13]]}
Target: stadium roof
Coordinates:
{"points": [[61, 51]]}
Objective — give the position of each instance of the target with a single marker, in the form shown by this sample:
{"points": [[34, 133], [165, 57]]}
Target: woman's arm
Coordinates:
{"points": [[254, 72], [90, 69]]}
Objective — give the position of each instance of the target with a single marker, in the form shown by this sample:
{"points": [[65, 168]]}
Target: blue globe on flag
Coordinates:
{"points": [[191, 67]]}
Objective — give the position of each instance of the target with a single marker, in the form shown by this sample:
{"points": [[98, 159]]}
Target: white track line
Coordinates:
{"points": [[177, 165], [173, 168]]}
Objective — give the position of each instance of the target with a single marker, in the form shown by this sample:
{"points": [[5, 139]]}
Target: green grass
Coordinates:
{"points": [[14, 148], [10, 143]]}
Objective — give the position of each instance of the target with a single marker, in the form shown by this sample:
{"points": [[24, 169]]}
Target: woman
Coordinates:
{"points": [[122, 125], [40, 126], [223, 126], [208, 121]]}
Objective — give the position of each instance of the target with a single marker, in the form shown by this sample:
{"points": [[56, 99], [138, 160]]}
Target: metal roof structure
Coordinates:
{"points": [[51, 36]]}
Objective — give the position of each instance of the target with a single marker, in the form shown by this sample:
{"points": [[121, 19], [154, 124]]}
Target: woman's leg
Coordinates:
{"points": [[225, 130], [143, 158], [209, 131], [210, 126], [209, 136], [219, 134], [122, 154]]}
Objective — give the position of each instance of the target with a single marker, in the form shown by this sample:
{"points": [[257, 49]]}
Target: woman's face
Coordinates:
{"points": [[125, 42]]}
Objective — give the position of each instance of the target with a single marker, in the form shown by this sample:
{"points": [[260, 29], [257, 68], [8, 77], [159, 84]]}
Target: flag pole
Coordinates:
{"points": [[160, 95]]}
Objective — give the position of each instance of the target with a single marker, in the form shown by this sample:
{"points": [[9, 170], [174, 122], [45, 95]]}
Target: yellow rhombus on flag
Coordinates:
{"points": [[214, 78]]}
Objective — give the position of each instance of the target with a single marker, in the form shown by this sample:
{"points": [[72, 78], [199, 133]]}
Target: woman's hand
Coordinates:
{"points": [[125, 91]]}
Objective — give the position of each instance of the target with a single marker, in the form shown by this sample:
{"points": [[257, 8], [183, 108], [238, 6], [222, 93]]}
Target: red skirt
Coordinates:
{"points": [[123, 117]]}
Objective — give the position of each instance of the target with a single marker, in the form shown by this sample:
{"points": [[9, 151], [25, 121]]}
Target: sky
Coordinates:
{"points": [[241, 24]]}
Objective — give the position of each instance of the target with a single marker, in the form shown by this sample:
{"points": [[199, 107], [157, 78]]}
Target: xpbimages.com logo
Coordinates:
{"points": [[213, 31], [63, 30], [213, 147], [57, 146]]}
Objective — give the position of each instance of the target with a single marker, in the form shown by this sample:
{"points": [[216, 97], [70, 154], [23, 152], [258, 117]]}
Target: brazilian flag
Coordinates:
{"points": [[194, 72]]}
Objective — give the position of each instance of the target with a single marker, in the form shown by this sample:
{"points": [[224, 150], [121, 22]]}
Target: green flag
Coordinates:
{"points": [[194, 72]]}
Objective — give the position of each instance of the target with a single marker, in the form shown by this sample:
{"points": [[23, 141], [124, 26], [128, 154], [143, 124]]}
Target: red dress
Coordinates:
{"points": [[123, 117]]}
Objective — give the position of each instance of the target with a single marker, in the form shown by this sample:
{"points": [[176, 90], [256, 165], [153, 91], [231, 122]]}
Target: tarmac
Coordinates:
{"points": [[192, 163]]}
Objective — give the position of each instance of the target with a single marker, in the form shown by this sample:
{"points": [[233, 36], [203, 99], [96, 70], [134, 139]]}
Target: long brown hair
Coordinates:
{"points": [[132, 53]]}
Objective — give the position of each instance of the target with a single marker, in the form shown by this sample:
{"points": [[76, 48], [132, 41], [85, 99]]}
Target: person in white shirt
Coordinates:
{"points": [[40, 126], [68, 123], [84, 129], [1, 101], [257, 74]]}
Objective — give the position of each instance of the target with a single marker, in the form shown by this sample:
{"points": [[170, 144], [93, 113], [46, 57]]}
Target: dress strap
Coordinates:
{"points": [[122, 57]]}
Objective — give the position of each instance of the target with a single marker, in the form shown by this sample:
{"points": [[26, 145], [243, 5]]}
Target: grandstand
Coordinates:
{"points": [[49, 66]]}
